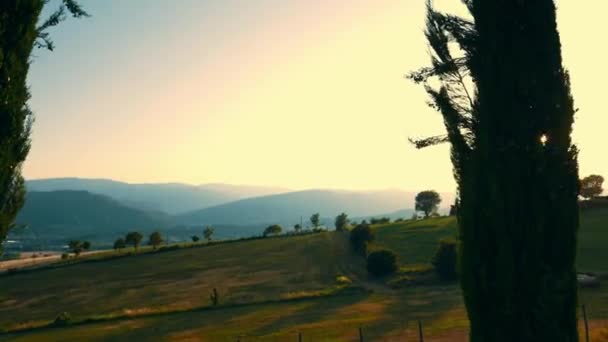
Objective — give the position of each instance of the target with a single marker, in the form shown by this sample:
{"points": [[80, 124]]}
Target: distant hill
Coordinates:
{"points": [[289, 207], [171, 198], [73, 214]]}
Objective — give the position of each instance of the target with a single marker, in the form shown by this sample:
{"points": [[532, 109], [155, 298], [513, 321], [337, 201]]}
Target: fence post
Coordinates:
{"points": [[360, 334], [420, 334], [586, 323], [299, 337]]}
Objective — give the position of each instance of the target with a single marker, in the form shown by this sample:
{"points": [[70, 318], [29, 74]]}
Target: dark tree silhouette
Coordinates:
{"points": [[428, 202], [18, 36], [315, 220], [341, 222], [133, 239], [507, 108], [208, 233], [275, 229], [360, 237], [119, 244], [155, 240], [446, 258], [297, 228], [382, 263], [591, 186]]}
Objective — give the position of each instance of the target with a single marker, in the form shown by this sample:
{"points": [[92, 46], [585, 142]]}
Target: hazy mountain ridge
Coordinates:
{"points": [[80, 213], [66, 213], [289, 207], [172, 198]]}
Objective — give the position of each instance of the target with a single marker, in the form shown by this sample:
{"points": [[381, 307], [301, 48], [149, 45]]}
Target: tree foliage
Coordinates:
{"points": [[382, 263], [446, 259], [275, 229], [208, 233], [497, 80], [360, 237], [77, 246], [341, 222], [155, 240], [18, 36], [119, 244], [133, 239], [428, 202], [315, 220], [592, 186]]}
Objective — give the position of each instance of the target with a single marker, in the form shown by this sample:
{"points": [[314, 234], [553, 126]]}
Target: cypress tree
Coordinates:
{"points": [[19, 34], [507, 108]]}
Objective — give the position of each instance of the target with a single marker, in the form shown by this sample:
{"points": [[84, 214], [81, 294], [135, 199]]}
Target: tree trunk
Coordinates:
{"points": [[518, 212]]}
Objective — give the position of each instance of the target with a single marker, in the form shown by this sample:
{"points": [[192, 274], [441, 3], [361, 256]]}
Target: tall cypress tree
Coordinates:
{"points": [[19, 34], [514, 163]]}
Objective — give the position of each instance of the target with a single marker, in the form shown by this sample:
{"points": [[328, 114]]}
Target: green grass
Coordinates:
{"points": [[325, 319], [415, 242], [593, 241], [253, 271], [164, 296]]}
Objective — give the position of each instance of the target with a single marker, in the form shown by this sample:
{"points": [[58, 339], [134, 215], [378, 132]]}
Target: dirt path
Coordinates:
{"points": [[28, 261]]}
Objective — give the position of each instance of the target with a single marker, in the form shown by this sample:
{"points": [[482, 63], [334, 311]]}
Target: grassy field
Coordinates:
{"points": [[271, 290], [244, 272]]}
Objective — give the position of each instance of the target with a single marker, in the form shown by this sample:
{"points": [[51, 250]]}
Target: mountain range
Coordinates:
{"points": [[172, 198], [101, 210]]}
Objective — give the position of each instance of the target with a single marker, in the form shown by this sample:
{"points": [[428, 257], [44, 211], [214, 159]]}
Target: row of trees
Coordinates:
{"points": [[155, 239]]}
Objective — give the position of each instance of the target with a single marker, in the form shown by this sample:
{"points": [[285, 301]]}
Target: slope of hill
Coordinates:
{"points": [[123, 293], [171, 198], [287, 208], [74, 214]]}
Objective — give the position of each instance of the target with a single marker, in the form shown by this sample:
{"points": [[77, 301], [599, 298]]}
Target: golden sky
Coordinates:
{"points": [[291, 93]]}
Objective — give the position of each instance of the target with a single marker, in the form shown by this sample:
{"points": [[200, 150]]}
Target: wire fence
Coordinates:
{"points": [[411, 332]]}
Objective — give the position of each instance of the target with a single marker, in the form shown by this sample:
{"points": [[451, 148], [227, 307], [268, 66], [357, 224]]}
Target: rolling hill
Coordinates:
{"points": [[171, 198], [287, 208], [61, 215], [271, 290]]}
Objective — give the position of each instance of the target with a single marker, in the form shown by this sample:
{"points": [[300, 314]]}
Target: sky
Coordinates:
{"points": [[292, 93]]}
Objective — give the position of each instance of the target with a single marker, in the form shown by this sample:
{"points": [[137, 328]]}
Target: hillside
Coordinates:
{"points": [[271, 289], [62, 215], [287, 208], [171, 198]]}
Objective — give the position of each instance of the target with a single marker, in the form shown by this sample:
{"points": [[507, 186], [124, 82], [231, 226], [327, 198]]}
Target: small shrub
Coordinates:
{"points": [[65, 256], [382, 263], [62, 320], [446, 258]]}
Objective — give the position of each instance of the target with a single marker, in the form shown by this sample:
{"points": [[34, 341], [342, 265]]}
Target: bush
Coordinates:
{"points": [[446, 259], [63, 319], [360, 236], [64, 256], [381, 263]]}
